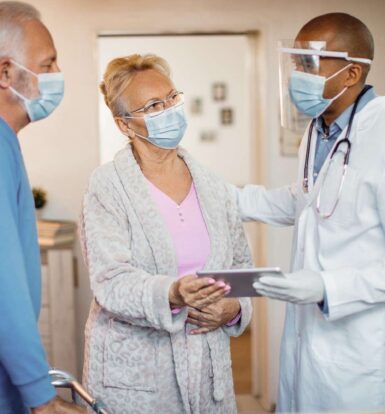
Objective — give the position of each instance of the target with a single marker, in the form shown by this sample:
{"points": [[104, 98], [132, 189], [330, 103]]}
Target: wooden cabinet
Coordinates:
{"points": [[57, 317]]}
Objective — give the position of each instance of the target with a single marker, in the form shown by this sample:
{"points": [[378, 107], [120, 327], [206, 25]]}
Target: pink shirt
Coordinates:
{"points": [[188, 231], [187, 228]]}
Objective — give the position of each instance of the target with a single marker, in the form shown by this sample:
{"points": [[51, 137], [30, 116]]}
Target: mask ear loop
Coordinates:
{"points": [[23, 67], [136, 134], [334, 75], [338, 72], [22, 99], [18, 94]]}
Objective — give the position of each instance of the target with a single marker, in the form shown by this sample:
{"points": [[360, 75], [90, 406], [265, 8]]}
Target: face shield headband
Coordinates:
{"points": [[301, 83]]}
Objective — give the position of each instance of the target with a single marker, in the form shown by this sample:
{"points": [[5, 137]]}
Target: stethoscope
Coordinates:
{"points": [[346, 141]]}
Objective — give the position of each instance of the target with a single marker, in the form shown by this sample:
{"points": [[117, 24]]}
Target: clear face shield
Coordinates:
{"points": [[299, 63]]}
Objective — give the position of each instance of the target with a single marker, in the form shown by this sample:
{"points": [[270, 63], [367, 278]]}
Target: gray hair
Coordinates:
{"points": [[13, 15]]}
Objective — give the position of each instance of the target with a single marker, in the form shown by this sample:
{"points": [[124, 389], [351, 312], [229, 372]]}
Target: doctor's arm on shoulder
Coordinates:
{"points": [[341, 292], [256, 203]]}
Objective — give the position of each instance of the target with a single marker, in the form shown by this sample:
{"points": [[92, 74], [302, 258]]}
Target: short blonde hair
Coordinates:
{"points": [[119, 74]]}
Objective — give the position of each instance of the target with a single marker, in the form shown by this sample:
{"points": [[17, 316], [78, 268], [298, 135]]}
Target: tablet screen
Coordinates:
{"points": [[241, 280]]}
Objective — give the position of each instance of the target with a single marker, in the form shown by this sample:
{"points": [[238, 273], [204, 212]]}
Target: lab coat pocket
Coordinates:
{"points": [[347, 355], [130, 357]]}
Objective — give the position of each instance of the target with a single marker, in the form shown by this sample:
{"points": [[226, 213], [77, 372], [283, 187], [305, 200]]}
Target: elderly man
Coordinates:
{"points": [[31, 86], [333, 348]]}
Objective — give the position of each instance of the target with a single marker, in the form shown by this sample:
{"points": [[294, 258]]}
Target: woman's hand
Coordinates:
{"points": [[196, 292], [213, 316]]}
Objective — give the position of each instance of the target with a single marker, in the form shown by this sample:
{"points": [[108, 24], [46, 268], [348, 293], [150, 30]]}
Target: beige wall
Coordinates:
{"points": [[62, 151]]}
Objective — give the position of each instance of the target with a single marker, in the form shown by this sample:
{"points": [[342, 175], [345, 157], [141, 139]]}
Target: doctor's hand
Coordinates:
{"points": [[301, 287], [196, 292], [213, 316]]}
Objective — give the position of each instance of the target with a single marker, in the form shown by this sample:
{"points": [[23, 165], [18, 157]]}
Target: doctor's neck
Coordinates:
{"points": [[341, 104]]}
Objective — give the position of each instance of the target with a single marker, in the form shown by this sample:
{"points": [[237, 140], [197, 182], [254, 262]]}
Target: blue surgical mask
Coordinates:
{"points": [[306, 92], [166, 129], [51, 88]]}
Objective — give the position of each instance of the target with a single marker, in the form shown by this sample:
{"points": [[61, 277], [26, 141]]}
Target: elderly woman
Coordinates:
{"points": [[157, 337]]}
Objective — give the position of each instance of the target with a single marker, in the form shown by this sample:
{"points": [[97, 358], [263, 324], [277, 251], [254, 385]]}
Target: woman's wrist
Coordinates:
{"points": [[236, 313], [236, 308], [174, 297]]}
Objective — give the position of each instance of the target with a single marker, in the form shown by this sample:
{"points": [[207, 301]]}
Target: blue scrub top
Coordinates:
{"points": [[23, 368]]}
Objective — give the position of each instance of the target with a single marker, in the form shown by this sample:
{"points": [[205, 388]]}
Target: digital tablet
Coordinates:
{"points": [[241, 280]]}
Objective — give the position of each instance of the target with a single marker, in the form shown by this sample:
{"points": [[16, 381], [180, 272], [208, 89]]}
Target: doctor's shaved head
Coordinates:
{"points": [[342, 32]]}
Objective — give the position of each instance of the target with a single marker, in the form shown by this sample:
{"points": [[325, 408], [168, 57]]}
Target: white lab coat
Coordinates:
{"points": [[335, 361]]}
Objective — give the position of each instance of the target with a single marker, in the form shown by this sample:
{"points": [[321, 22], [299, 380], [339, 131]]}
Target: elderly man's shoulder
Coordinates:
{"points": [[8, 154]]}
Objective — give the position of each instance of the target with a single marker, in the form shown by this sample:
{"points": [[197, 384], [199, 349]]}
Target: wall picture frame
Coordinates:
{"points": [[227, 116], [196, 105], [219, 91]]}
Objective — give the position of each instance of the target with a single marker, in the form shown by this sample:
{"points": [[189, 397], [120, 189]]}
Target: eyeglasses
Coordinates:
{"points": [[160, 105]]}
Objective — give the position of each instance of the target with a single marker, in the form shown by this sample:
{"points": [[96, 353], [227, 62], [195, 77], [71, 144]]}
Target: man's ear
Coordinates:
{"points": [[354, 75], [5, 78]]}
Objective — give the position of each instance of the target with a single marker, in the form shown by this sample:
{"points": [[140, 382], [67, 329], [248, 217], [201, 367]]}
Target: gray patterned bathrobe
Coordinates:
{"points": [[139, 358]]}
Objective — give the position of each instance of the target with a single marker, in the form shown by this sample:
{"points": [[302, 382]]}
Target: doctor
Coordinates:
{"points": [[333, 348]]}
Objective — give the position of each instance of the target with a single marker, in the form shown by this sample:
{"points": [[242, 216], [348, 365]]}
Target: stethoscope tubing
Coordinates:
{"points": [[346, 140]]}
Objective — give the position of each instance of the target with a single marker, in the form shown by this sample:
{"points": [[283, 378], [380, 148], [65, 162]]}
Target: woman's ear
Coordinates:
{"points": [[124, 127], [354, 75]]}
